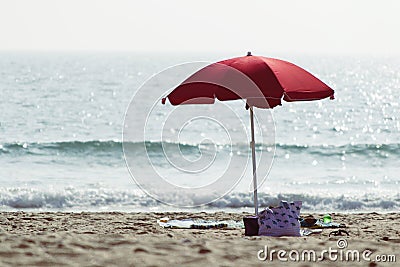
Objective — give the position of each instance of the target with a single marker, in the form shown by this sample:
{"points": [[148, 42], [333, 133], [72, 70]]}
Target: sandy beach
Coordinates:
{"points": [[135, 239]]}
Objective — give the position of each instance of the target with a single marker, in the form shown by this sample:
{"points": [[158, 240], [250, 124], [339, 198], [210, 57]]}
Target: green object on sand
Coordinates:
{"points": [[327, 218]]}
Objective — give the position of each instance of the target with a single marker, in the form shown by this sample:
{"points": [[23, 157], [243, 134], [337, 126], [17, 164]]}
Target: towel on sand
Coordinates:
{"points": [[199, 224]]}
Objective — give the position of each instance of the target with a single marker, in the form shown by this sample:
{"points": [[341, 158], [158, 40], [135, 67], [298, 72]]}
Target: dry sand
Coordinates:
{"points": [[135, 239]]}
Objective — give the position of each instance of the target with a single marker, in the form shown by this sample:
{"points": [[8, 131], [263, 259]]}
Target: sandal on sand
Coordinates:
{"points": [[339, 232]]}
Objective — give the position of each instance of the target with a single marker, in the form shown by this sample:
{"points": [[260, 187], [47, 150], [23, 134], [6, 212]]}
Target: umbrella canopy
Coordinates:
{"points": [[263, 82], [273, 80]]}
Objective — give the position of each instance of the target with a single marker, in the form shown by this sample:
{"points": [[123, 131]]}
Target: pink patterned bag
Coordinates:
{"points": [[280, 221]]}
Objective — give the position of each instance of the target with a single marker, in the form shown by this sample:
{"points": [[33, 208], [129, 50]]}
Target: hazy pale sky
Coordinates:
{"points": [[341, 26]]}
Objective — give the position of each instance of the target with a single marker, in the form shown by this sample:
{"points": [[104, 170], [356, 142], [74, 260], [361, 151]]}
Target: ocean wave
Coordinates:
{"points": [[27, 198], [314, 202], [62, 147], [374, 150], [96, 199], [113, 148]]}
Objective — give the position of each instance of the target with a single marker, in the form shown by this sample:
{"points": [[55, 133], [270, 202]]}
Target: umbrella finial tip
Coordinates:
{"points": [[249, 53]]}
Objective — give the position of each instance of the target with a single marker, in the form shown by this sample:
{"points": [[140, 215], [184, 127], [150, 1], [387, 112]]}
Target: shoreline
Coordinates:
{"points": [[250, 211], [135, 239]]}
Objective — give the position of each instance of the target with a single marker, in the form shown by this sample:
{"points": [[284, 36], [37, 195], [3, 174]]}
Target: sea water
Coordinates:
{"points": [[61, 142]]}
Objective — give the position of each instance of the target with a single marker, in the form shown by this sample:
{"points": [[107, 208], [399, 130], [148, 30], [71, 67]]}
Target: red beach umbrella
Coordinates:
{"points": [[263, 82]]}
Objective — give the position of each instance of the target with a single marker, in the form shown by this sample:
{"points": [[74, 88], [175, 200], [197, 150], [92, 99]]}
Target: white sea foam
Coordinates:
{"points": [[99, 199]]}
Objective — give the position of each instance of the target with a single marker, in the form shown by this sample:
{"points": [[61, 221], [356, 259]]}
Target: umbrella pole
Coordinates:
{"points": [[253, 156]]}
